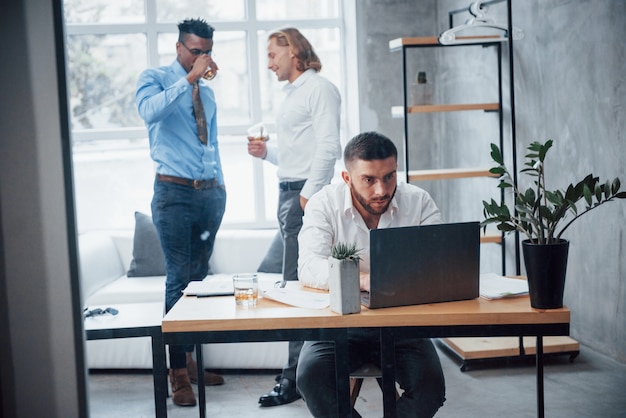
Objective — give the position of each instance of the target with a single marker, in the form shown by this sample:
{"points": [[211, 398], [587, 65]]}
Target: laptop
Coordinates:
{"points": [[423, 264]]}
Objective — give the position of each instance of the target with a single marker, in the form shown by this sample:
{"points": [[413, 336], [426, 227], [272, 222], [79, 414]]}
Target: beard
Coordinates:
{"points": [[367, 205]]}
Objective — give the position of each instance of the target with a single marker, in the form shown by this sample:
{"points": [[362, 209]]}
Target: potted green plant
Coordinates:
{"points": [[543, 215], [343, 279]]}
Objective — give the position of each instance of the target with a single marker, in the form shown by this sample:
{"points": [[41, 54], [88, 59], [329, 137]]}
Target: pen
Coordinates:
{"points": [[208, 295]]}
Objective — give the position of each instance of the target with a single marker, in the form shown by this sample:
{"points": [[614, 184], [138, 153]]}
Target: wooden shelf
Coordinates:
{"points": [[449, 173], [398, 111], [399, 43], [474, 348], [491, 238]]}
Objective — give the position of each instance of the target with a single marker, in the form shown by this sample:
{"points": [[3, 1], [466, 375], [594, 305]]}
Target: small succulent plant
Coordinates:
{"points": [[343, 251]]}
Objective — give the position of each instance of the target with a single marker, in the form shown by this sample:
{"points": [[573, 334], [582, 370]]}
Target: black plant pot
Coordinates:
{"points": [[546, 265]]}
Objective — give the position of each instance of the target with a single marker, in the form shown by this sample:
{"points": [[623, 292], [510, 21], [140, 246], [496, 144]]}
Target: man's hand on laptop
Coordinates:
{"points": [[364, 279]]}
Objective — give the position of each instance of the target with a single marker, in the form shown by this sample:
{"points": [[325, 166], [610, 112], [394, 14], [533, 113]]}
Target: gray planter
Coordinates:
{"points": [[344, 286]]}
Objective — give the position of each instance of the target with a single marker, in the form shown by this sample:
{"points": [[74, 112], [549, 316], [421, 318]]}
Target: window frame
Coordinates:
{"points": [[151, 28]]}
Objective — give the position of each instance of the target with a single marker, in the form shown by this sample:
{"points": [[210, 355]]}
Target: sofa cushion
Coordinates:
{"points": [[240, 250], [130, 290], [273, 260], [148, 259], [100, 262]]}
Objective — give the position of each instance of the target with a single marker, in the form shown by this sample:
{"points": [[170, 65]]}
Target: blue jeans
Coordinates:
{"points": [[187, 221], [418, 371]]}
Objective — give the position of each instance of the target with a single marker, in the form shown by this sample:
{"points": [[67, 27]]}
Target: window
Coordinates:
{"points": [[108, 45]]}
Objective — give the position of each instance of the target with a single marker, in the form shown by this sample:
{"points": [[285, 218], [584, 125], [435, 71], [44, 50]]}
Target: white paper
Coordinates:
{"points": [[495, 286], [214, 285], [299, 298]]}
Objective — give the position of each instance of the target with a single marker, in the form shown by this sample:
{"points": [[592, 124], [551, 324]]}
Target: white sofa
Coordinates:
{"points": [[105, 257]]}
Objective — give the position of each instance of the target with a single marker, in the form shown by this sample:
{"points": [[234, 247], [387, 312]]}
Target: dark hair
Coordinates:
{"points": [[300, 47], [198, 27], [369, 146]]}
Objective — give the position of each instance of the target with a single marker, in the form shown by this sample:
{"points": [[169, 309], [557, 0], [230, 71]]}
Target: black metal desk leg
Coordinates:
{"points": [[539, 361], [388, 364], [159, 375], [201, 391], [342, 373]]}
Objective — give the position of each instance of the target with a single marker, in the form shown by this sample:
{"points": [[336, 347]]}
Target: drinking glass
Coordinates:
{"points": [[246, 287], [259, 132]]}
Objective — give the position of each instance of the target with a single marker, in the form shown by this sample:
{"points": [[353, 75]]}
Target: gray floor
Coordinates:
{"points": [[592, 386]]}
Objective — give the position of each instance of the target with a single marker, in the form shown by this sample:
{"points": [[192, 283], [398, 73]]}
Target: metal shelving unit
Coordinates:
{"points": [[407, 110], [475, 349]]}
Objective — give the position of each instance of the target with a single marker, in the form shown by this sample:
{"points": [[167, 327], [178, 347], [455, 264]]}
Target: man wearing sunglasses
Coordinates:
{"points": [[179, 109]]}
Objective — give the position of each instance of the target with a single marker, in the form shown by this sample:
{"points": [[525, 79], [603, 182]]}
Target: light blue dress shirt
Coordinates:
{"points": [[164, 102]]}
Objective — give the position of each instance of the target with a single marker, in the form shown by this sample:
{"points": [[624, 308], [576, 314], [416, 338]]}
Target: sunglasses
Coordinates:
{"points": [[98, 312], [197, 52]]}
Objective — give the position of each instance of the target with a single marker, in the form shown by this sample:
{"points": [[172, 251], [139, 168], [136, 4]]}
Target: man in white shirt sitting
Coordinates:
{"points": [[368, 198]]}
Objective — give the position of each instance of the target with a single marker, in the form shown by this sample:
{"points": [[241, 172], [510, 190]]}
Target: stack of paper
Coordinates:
{"points": [[299, 298], [494, 286], [214, 285]]}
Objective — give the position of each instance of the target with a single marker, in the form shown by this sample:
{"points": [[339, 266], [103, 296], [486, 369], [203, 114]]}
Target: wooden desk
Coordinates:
{"points": [[204, 320]]}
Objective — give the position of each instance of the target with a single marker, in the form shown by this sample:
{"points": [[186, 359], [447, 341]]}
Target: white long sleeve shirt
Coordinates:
{"points": [[330, 217], [307, 126]]}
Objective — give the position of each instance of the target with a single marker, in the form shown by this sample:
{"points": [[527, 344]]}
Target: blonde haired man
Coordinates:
{"points": [[305, 152]]}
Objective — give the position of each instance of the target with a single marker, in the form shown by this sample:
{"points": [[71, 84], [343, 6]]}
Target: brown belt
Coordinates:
{"points": [[196, 184]]}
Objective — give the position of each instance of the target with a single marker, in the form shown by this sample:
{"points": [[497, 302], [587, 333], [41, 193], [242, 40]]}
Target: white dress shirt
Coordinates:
{"points": [[308, 132], [330, 217]]}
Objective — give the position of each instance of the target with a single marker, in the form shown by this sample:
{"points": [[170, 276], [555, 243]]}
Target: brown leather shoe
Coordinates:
{"points": [[210, 379], [182, 393]]}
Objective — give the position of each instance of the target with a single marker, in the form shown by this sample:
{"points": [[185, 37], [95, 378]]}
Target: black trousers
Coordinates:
{"points": [[418, 372]]}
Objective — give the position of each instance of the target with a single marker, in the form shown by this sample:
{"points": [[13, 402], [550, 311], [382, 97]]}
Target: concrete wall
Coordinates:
{"points": [[570, 85]]}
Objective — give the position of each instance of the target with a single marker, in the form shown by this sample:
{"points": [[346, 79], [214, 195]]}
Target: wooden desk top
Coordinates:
{"points": [[191, 314]]}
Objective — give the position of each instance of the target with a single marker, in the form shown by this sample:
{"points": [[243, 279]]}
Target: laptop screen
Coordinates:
{"points": [[424, 264]]}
